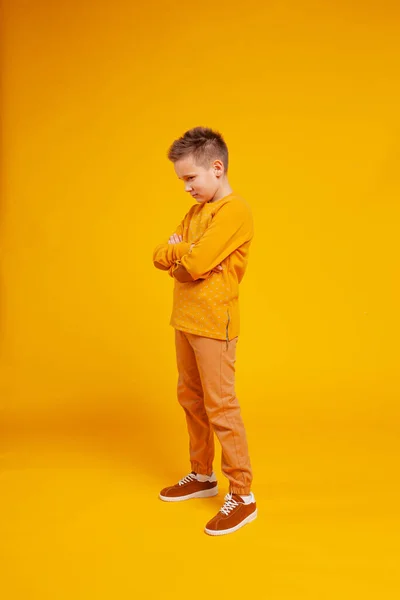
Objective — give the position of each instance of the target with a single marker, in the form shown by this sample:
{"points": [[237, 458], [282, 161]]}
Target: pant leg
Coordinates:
{"points": [[191, 398], [216, 365]]}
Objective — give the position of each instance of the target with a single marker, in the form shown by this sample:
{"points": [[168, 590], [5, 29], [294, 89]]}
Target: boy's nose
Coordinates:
{"points": [[188, 188]]}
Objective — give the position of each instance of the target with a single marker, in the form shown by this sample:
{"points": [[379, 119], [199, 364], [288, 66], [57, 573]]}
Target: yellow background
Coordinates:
{"points": [[307, 96]]}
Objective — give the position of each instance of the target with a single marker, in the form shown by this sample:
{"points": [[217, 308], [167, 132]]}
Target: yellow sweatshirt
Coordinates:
{"points": [[221, 232]]}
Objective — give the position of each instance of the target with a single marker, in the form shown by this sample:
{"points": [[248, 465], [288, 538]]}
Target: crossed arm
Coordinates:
{"points": [[231, 227], [180, 273]]}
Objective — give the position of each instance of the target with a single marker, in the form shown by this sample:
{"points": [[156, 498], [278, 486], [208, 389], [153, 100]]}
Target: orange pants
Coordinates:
{"points": [[206, 392]]}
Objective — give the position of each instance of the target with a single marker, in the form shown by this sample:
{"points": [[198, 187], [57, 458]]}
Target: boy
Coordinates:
{"points": [[207, 256]]}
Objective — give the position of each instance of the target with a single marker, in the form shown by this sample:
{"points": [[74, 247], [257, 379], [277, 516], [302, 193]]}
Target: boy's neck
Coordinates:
{"points": [[224, 190]]}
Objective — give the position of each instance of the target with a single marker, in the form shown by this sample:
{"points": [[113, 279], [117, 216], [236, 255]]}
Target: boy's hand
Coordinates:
{"points": [[175, 239], [217, 269]]}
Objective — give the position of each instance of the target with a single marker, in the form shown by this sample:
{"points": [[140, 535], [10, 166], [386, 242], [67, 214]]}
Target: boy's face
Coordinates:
{"points": [[200, 182]]}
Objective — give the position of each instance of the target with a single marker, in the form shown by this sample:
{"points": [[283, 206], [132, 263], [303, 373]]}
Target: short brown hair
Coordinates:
{"points": [[205, 144]]}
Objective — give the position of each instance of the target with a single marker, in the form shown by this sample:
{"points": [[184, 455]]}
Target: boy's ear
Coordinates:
{"points": [[218, 167]]}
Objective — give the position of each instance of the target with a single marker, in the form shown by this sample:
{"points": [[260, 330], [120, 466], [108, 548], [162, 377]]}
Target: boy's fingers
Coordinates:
{"points": [[175, 239]]}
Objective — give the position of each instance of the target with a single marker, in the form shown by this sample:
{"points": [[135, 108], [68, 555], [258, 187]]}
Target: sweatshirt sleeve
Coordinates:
{"points": [[230, 227], [176, 264], [165, 255]]}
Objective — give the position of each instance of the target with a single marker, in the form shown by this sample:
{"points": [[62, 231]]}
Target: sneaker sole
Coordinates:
{"points": [[204, 494], [248, 519]]}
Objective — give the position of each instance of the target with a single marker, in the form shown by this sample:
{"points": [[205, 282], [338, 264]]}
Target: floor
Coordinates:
{"points": [[81, 516]]}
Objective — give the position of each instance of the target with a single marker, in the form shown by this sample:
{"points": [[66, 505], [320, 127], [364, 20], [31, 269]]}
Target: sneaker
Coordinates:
{"points": [[234, 514], [190, 487]]}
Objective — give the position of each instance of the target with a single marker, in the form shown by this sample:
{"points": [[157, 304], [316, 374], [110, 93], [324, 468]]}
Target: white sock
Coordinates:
{"points": [[249, 498], [201, 477]]}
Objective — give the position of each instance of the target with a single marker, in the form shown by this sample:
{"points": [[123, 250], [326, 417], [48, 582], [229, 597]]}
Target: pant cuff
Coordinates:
{"points": [[241, 491], [201, 470]]}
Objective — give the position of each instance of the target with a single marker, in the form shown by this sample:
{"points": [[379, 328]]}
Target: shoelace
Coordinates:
{"points": [[187, 479], [229, 505]]}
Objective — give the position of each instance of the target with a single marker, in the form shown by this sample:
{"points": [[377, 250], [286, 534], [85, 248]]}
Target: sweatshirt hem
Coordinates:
{"points": [[203, 333]]}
